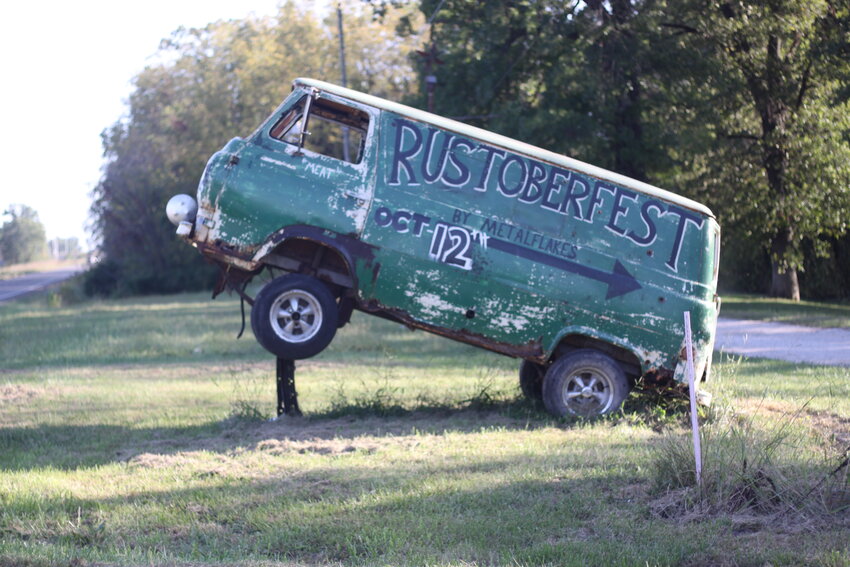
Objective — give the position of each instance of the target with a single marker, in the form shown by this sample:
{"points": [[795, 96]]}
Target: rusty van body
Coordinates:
{"points": [[366, 204]]}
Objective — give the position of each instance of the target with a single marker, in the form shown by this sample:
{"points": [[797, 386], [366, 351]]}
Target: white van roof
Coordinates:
{"points": [[506, 143]]}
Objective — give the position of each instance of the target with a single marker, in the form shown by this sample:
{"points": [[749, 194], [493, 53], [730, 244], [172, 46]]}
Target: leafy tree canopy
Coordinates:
{"points": [[774, 110]]}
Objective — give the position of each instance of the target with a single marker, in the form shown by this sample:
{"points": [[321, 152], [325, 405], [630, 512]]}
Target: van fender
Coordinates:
{"points": [[349, 247], [635, 358]]}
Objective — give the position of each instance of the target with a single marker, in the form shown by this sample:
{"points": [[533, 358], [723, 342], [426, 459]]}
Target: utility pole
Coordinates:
{"points": [[345, 152], [431, 60]]}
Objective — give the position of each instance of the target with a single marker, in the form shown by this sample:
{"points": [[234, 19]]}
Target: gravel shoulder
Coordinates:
{"points": [[781, 341]]}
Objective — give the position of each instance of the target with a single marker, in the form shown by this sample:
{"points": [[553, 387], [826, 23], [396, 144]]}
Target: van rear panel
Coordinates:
{"points": [[477, 238]]}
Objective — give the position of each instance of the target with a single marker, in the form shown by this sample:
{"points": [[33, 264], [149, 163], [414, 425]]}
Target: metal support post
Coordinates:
{"points": [[287, 397]]}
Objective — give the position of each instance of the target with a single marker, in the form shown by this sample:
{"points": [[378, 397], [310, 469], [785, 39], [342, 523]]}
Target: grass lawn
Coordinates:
{"points": [[137, 432], [807, 313]]}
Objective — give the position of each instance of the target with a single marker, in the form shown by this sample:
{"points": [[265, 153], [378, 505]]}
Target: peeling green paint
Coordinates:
{"points": [[469, 234]]}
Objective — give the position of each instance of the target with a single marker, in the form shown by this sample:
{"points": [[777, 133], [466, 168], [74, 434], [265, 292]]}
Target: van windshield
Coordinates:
{"points": [[333, 129]]}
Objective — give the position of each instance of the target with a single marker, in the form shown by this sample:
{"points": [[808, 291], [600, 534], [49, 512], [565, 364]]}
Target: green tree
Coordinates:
{"points": [[22, 236], [584, 78], [774, 106]]}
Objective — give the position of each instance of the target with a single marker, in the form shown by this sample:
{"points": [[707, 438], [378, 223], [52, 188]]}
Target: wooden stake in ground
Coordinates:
{"points": [[692, 389]]}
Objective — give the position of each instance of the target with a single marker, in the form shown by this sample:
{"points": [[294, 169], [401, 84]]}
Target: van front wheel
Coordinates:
{"points": [[585, 383], [294, 317]]}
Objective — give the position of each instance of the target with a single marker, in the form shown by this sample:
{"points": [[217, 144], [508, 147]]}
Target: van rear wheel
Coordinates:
{"points": [[531, 380], [294, 317], [585, 383]]}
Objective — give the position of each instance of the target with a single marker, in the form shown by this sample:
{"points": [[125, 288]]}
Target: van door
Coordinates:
{"points": [[310, 164], [432, 233]]}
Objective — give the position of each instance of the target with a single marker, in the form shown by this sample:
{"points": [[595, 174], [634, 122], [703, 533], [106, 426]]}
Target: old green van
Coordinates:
{"points": [[361, 203]]}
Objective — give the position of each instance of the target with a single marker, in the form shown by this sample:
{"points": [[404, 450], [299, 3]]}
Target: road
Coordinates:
{"points": [[784, 342], [11, 289]]}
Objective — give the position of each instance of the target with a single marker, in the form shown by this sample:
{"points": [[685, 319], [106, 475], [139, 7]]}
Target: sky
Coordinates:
{"points": [[67, 73]]}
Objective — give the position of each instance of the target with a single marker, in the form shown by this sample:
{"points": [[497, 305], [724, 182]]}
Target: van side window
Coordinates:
{"points": [[333, 129]]}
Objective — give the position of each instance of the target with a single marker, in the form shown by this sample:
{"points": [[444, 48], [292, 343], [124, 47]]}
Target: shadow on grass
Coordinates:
{"points": [[563, 508], [391, 513], [72, 447]]}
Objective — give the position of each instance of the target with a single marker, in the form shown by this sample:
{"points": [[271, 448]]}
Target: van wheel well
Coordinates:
{"points": [[315, 259], [626, 359]]}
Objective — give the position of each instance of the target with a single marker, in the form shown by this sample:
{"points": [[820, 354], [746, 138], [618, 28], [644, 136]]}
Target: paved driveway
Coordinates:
{"points": [[784, 342]]}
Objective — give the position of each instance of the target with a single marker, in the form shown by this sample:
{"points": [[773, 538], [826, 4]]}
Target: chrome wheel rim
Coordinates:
{"points": [[296, 316], [587, 392]]}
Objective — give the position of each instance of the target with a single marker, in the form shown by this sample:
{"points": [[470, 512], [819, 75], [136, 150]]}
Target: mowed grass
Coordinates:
{"points": [[137, 432], [806, 313]]}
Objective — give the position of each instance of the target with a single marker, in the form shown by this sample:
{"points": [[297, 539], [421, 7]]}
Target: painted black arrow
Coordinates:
{"points": [[619, 280]]}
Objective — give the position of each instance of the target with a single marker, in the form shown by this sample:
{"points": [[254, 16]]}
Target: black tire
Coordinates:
{"points": [[584, 383], [294, 317], [531, 380]]}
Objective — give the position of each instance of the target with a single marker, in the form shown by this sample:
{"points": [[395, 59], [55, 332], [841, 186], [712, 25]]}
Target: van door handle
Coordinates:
{"points": [[355, 195]]}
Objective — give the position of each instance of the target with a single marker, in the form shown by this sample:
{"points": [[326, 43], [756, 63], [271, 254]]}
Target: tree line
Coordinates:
{"points": [[742, 105], [22, 237]]}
